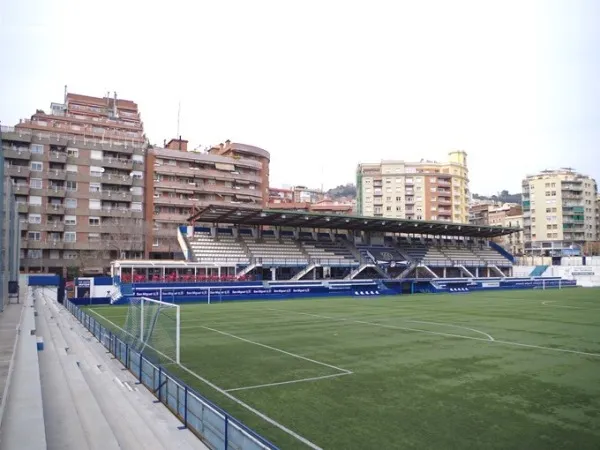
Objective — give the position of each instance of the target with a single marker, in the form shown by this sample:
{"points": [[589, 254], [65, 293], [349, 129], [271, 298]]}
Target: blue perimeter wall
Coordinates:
{"points": [[240, 291]]}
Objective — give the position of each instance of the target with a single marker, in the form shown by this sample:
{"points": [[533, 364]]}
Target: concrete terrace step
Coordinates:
{"points": [[97, 433], [64, 429], [130, 429], [136, 420]]}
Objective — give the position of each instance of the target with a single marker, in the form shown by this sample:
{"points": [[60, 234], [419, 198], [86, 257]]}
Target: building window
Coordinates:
{"points": [[34, 235], [71, 186], [95, 203], [35, 183], [70, 220], [95, 187], [35, 218], [70, 203], [35, 200], [36, 166], [94, 221], [37, 149], [96, 171], [94, 237], [34, 254], [96, 154], [73, 153], [72, 168], [70, 236]]}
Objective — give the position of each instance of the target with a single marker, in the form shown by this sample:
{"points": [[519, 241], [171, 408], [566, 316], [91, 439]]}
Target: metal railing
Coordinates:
{"points": [[212, 424]]}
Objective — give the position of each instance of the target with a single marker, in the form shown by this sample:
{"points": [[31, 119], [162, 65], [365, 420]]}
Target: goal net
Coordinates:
{"points": [[152, 327]]}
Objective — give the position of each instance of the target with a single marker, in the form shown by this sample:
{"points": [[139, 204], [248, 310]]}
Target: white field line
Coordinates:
{"points": [[547, 303], [301, 380], [229, 396], [382, 325], [339, 369], [491, 338], [375, 324]]}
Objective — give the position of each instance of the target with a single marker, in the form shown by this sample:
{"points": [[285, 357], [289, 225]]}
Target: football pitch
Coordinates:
{"points": [[495, 370]]}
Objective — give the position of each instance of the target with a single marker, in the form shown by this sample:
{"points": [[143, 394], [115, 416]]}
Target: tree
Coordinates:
{"points": [[120, 238]]}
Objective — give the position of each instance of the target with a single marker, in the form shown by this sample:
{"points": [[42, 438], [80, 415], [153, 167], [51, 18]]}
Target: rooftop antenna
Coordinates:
{"points": [[178, 117], [65, 100]]}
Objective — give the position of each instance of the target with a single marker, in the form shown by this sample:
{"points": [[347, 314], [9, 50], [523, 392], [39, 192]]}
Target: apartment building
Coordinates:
{"points": [[508, 215], [425, 190], [78, 177], [559, 211], [479, 212], [178, 180]]}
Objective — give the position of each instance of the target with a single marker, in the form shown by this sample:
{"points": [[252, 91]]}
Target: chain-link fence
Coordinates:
{"points": [[9, 233]]}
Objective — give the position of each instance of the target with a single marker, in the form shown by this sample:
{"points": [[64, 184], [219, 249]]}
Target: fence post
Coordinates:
{"points": [[226, 431], [127, 355], [141, 367], [185, 406], [159, 383]]}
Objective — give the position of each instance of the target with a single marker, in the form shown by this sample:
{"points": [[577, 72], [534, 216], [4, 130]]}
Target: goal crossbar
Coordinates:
{"points": [[155, 325]]}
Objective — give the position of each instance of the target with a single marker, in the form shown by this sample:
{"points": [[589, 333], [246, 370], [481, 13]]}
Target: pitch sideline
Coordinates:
{"points": [[228, 395]]}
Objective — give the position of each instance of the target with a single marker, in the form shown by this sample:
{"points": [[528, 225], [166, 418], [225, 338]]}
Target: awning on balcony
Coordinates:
{"points": [[225, 167], [242, 181], [244, 197]]}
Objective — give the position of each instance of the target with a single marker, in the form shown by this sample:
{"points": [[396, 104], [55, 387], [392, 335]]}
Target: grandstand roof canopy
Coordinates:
{"points": [[240, 215]]}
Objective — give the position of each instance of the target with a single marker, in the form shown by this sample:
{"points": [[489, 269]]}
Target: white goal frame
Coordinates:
{"points": [[143, 339]]}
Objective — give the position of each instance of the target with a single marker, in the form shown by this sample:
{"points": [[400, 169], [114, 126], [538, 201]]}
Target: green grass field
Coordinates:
{"points": [[498, 370]]}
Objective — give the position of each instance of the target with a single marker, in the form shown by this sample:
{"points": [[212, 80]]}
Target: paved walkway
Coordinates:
{"points": [[9, 322]]}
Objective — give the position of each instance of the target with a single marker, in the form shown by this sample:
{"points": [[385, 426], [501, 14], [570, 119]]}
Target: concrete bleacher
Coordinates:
{"points": [[68, 393], [489, 255], [224, 248], [275, 251], [324, 249]]}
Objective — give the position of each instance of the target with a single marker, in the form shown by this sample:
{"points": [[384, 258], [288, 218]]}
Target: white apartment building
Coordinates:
{"points": [[425, 190], [559, 212]]}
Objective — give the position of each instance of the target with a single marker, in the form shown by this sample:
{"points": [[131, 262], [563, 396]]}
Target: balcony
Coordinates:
{"points": [[165, 232], [14, 152], [115, 196], [55, 192], [21, 189], [122, 180], [55, 156], [15, 134], [118, 163], [56, 174], [22, 207], [55, 209], [17, 171], [33, 244], [23, 225], [444, 201], [175, 201], [171, 217], [116, 212], [55, 226]]}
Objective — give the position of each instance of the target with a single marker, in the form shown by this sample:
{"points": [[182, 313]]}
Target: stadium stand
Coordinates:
{"points": [[381, 254], [225, 248], [324, 249], [270, 240], [489, 255], [283, 252]]}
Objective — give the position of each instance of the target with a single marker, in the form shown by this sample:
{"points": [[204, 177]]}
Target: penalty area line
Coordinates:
{"points": [[473, 338], [281, 383], [228, 395]]}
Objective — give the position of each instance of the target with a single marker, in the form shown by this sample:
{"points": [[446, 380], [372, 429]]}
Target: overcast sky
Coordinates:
{"points": [[324, 85]]}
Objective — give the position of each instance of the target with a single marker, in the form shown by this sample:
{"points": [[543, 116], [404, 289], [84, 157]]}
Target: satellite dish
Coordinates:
{"points": [[101, 170]]}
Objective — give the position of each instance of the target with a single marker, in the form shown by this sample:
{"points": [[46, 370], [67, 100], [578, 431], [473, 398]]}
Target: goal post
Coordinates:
{"points": [[153, 327]]}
